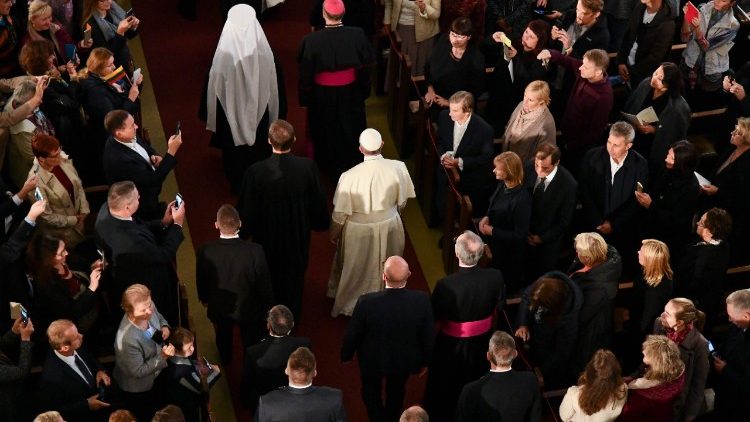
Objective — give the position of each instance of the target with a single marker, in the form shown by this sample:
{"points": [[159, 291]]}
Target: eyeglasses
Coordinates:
{"points": [[458, 36]]}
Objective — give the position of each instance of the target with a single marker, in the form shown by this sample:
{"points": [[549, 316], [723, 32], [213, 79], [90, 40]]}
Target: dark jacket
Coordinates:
{"points": [[509, 214], [733, 384], [694, 353], [700, 275], [672, 126], [391, 332], [588, 107], [486, 399], [595, 320], [648, 303], [654, 41], [552, 342], [448, 76], [674, 201], [62, 389], [99, 98], [184, 387], [301, 405], [121, 163], [12, 375], [595, 37], [118, 44]]}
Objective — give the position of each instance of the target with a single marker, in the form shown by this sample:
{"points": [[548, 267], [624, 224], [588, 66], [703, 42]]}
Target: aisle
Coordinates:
{"points": [[179, 54]]}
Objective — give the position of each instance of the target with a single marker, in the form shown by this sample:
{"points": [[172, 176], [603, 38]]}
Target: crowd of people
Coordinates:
{"points": [[595, 183]]}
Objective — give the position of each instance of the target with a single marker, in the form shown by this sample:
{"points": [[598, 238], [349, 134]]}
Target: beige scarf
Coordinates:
{"points": [[522, 123]]}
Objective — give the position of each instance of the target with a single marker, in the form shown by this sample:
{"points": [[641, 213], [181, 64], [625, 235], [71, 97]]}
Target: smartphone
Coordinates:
{"points": [[712, 350], [136, 74], [178, 201], [24, 315], [179, 128], [540, 11], [101, 256], [208, 365], [87, 34], [129, 13], [639, 187], [38, 194], [102, 390]]}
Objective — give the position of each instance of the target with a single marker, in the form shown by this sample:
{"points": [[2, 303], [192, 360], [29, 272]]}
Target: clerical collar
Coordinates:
{"points": [[300, 387], [229, 236], [501, 370], [466, 266], [335, 25], [373, 157]]}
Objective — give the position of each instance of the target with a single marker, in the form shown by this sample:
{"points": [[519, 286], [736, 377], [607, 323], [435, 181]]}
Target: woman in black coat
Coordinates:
{"points": [[111, 29], [672, 200], [548, 318], [652, 291], [663, 92], [596, 270], [507, 220], [728, 190]]}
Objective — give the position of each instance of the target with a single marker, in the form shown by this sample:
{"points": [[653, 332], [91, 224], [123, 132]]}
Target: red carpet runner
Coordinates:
{"points": [[179, 54]]}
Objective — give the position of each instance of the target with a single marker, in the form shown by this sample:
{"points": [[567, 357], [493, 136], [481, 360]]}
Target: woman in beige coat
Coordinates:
{"points": [[531, 123], [416, 22]]}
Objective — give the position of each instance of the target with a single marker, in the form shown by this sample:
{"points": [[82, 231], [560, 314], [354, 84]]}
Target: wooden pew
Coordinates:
{"points": [[457, 220]]}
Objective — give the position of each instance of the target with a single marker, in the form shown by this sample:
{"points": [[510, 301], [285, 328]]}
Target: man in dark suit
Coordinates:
{"points": [[70, 377], [503, 394], [465, 144], [280, 202], [265, 362], [391, 332], [609, 178], [464, 304], [583, 28], [233, 283], [128, 158], [140, 252], [732, 362], [300, 400], [553, 191]]}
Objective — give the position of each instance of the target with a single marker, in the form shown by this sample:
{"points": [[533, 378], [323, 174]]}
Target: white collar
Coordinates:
{"points": [[70, 360], [550, 176], [465, 123], [229, 236], [299, 386], [373, 157], [501, 370]]}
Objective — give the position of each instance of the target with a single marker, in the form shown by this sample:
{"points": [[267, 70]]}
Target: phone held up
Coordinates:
{"points": [[178, 201], [24, 315]]}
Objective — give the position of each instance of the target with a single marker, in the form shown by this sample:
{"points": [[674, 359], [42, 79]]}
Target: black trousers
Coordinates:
{"points": [[249, 333], [388, 410]]}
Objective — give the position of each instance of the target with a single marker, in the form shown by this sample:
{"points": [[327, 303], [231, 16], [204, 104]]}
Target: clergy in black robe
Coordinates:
{"points": [[464, 305], [359, 13], [334, 80], [281, 200]]}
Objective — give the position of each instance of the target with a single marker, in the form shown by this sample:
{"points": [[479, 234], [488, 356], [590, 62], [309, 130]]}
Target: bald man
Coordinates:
{"points": [[391, 332]]}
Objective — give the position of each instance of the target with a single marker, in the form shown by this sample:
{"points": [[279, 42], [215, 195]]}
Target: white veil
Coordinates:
{"points": [[243, 76]]}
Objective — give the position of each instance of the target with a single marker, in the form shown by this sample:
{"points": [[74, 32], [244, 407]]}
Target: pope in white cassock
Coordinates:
{"points": [[366, 223]]}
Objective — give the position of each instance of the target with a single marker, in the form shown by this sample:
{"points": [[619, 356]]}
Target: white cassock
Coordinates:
{"points": [[367, 202]]}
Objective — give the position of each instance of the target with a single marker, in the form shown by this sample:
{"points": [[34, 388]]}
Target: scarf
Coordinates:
{"points": [[522, 123], [678, 337]]}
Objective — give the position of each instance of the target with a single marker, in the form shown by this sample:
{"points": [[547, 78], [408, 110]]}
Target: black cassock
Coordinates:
{"points": [[281, 200], [336, 114]]}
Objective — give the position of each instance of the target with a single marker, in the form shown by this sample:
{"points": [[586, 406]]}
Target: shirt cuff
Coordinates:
{"points": [[28, 220], [422, 14], [461, 164], [17, 200]]}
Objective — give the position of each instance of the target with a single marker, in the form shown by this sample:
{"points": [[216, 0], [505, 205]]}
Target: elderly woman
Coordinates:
{"points": [[709, 38], [547, 318], [59, 291], [728, 189], [531, 123], [455, 64], [516, 66], [682, 323], [672, 200], [651, 397], [652, 290], [596, 270], [140, 352], [99, 96], [417, 24], [600, 393], [20, 156], [700, 273], [60, 102], [41, 27], [60, 186], [110, 29], [506, 223], [662, 92]]}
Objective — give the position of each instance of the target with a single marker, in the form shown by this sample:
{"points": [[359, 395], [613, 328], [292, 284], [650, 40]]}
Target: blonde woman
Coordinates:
{"points": [[682, 323], [507, 220], [531, 123], [654, 289], [600, 393], [596, 270], [42, 26], [651, 397]]}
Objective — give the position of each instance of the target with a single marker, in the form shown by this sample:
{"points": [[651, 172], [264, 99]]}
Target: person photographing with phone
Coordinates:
{"points": [[12, 373], [111, 27]]}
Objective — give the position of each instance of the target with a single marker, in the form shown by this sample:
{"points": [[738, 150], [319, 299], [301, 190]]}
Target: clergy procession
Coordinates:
{"points": [[582, 164]]}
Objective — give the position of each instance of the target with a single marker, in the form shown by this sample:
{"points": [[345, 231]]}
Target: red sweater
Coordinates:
{"points": [[652, 404], [588, 108]]}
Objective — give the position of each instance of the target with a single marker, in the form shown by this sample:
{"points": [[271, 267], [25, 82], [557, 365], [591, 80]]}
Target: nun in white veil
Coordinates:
{"points": [[245, 93]]}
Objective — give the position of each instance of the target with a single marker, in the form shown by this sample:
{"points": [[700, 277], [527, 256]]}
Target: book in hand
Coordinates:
{"points": [[701, 180], [644, 117], [691, 12]]}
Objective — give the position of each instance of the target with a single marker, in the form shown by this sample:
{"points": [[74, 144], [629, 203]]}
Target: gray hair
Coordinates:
{"points": [[623, 130], [502, 348], [469, 248], [740, 299], [414, 414], [23, 93]]}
